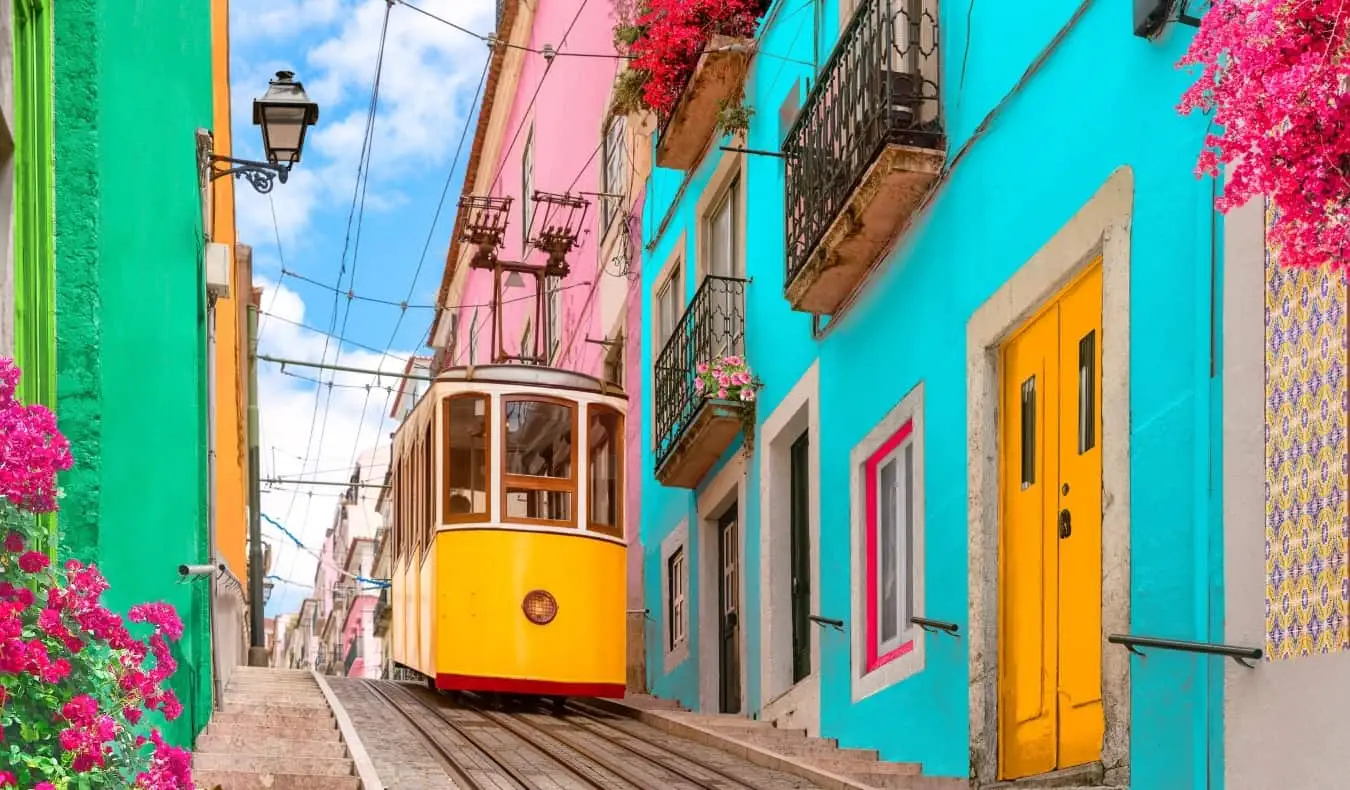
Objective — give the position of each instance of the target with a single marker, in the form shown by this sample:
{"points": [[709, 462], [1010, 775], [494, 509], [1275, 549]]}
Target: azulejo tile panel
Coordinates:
{"points": [[1307, 532]]}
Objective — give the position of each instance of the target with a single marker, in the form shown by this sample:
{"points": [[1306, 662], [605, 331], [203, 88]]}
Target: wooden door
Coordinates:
{"points": [[800, 540], [1050, 697], [729, 665]]}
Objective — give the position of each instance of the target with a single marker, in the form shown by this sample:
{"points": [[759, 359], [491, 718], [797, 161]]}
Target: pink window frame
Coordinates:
{"points": [[870, 468]]}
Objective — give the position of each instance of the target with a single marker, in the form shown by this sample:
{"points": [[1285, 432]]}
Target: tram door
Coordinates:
{"points": [[728, 560]]}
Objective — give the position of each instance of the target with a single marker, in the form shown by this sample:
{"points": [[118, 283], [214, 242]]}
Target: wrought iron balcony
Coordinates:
{"points": [[354, 652], [867, 145], [693, 430]]}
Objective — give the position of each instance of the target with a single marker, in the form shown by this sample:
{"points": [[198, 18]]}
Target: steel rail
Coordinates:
{"points": [[578, 709], [461, 774], [516, 776]]}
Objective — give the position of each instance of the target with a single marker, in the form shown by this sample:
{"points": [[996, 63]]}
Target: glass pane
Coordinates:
{"points": [[538, 439], [606, 435], [907, 538], [1087, 392], [526, 503], [466, 457], [887, 582], [1029, 432], [719, 240]]}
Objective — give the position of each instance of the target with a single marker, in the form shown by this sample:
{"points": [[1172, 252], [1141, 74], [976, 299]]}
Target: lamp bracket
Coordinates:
{"points": [[260, 175]]}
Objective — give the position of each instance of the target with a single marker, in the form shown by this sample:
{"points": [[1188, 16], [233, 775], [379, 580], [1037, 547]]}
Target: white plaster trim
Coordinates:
{"points": [[674, 655], [729, 166], [1101, 227], [365, 767], [798, 411], [729, 484], [863, 683]]}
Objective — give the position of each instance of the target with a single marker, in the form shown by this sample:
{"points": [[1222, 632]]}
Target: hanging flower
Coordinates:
{"points": [[727, 378], [1275, 75]]}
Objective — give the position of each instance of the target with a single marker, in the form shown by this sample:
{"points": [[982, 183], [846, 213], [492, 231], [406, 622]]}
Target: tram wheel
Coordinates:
{"points": [[559, 706]]}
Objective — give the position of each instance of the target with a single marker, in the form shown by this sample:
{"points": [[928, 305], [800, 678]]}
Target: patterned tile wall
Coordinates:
{"points": [[1307, 532]]}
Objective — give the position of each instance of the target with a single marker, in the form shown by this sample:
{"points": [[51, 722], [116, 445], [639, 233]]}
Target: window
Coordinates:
{"points": [[539, 460], [553, 325], [613, 173], [669, 301], [526, 189], [604, 484], [613, 371], [888, 518], [466, 491], [676, 614], [720, 232]]}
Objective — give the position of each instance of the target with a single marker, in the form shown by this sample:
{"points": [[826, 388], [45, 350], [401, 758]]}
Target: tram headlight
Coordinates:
{"points": [[540, 607]]}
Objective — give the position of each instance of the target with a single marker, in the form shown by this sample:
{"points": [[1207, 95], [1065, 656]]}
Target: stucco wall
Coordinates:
{"points": [[1102, 100], [1284, 719], [131, 308]]}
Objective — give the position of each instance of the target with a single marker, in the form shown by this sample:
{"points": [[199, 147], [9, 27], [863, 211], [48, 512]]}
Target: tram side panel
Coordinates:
{"points": [[486, 640], [426, 607]]}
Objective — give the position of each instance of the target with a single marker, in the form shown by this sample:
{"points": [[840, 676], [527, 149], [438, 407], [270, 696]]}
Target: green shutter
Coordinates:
{"points": [[34, 260]]}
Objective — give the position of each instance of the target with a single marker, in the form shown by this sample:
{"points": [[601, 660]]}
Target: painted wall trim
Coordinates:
{"points": [[677, 539], [729, 484], [1101, 227]]}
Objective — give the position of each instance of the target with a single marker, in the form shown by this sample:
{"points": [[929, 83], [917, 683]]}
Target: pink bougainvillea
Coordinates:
{"points": [[74, 681], [668, 36], [1275, 75]]}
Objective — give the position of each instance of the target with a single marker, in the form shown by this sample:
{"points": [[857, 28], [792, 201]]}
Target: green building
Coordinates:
{"points": [[131, 83]]}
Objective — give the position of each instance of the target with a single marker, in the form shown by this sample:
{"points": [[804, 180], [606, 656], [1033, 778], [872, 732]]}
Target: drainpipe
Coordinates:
{"points": [[257, 651], [211, 504]]}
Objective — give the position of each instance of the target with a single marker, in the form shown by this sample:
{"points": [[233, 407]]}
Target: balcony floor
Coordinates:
{"points": [[708, 436], [877, 210]]}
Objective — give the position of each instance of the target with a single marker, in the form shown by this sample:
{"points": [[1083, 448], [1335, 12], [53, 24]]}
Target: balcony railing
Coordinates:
{"points": [[877, 92], [354, 652], [712, 326]]}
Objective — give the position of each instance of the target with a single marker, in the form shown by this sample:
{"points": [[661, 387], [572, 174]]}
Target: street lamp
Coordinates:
{"points": [[285, 113]]}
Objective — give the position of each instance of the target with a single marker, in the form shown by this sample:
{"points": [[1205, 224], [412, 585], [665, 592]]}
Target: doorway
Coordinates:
{"points": [[1051, 712], [728, 607]]}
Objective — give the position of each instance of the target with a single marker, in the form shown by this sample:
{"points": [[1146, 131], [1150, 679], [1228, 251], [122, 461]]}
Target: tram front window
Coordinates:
{"points": [[466, 462], [539, 460], [604, 488]]}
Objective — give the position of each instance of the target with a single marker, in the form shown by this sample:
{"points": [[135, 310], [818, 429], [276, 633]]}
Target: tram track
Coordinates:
{"points": [[566, 741]]}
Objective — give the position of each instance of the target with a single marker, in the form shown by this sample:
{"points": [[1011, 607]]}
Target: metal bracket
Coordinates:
{"points": [[260, 175], [936, 626], [755, 151]]}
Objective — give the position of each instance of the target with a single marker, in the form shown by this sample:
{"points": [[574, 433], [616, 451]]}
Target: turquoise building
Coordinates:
{"points": [[964, 250]]}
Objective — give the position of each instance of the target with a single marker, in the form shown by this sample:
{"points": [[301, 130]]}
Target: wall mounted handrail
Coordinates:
{"points": [[934, 626], [834, 623], [1239, 654]]}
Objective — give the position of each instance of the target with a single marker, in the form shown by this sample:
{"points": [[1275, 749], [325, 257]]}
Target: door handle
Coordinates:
{"points": [[1065, 524]]}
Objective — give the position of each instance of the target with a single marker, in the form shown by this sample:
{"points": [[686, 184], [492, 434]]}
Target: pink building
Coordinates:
{"points": [[560, 139]]}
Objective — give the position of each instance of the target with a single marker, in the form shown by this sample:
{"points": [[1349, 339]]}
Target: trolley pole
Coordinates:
{"points": [[257, 651]]}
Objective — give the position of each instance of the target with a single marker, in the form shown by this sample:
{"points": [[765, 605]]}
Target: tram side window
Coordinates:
{"points": [[604, 474], [466, 487], [429, 487], [539, 459]]}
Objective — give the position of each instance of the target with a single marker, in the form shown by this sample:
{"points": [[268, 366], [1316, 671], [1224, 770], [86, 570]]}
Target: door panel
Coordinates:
{"points": [[1050, 697], [800, 550], [1028, 563], [728, 561], [1081, 715]]}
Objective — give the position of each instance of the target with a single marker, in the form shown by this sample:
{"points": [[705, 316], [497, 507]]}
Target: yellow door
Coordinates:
{"points": [[1050, 699]]}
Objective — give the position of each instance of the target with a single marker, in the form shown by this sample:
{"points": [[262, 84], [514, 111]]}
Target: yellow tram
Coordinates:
{"points": [[508, 533]]}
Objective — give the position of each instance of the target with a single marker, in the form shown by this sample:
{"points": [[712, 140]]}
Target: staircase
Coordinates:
{"points": [[819, 760], [273, 730]]}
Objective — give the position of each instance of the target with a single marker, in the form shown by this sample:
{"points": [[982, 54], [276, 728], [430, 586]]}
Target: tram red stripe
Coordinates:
{"points": [[524, 686]]}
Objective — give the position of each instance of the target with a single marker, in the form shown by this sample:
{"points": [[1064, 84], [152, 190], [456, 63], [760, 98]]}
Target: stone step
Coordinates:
{"points": [[897, 782], [267, 731], [297, 724], [273, 709], [851, 765], [718, 720], [316, 701], [272, 764], [243, 780], [772, 741], [811, 751], [251, 744]]}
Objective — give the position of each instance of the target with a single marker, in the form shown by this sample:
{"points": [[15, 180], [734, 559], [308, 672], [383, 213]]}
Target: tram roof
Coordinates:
{"points": [[530, 375]]}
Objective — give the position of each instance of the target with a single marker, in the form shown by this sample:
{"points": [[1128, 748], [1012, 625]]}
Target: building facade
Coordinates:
{"points": [[958, 481], [563, 142], [133, 374]]}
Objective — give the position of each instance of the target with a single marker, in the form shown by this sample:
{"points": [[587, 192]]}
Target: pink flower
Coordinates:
{"points": [[747, 394], [721, 394], [8, 779], [14, 542], [698, 385], [731, 361], [701, 367], [34, 561]]}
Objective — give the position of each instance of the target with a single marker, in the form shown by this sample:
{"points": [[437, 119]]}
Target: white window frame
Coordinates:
{"points": [[672, 286], [675, 651], [612, 171], [728, 200], [867, 681], [526, 188]]}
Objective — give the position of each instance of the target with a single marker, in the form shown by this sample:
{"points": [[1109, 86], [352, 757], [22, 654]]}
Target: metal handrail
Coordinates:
{"points": [[713, 324], [836, 624], [1241, 655], [934, 626]]}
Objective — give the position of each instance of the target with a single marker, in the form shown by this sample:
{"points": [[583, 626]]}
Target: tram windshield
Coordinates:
{"points": [[539, 460], [468, 489]]}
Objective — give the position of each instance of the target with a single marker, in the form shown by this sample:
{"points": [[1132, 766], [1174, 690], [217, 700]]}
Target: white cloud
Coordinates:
{"points": [[429, 75], [357, 422]]}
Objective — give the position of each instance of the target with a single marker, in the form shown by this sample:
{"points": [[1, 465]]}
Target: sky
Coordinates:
{"points": [[389, 253]]}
